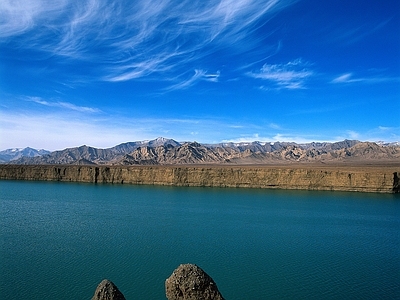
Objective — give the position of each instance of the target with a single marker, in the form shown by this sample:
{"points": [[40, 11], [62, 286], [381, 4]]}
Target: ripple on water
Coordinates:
{"points": [[60, 240]]}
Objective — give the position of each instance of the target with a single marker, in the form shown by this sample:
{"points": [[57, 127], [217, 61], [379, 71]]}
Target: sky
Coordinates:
{"points": [[101, 72]]}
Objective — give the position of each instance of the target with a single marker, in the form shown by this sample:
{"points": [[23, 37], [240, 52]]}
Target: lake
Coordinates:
{"points": [[59, 240]]}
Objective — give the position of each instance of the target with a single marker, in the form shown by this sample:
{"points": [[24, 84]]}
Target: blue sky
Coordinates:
{"points": [[105, 72]]}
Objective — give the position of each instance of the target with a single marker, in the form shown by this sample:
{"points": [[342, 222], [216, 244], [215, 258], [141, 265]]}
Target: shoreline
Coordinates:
{"points": [[380, 178]]}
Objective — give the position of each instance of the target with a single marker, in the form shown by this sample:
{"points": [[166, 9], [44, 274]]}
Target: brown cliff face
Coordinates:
{"points": [[382, 179]]}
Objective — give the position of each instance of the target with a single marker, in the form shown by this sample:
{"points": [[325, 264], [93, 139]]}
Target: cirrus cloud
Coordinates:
{"points": [[373, 78], [128, 40], [291, 75], [62, 104]]}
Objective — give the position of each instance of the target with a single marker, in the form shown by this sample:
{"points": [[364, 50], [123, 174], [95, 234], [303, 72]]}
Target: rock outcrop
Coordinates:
{"points": [[190, 282], [106, 290], [187, 282]]}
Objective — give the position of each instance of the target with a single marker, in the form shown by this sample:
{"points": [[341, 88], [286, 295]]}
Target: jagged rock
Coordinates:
{"points": [[107, 290], [190, 282]]}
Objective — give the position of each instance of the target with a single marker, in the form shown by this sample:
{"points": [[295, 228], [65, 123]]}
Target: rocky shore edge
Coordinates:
{"points": [[381, 179], [187, 282]]}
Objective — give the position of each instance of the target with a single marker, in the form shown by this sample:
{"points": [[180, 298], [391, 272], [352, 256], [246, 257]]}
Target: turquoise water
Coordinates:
{"points": [[59, 240]]}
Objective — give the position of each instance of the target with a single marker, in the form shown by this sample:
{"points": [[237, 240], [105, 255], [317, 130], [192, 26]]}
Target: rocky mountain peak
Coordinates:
{"points": [[167, 151], [17, 153]]}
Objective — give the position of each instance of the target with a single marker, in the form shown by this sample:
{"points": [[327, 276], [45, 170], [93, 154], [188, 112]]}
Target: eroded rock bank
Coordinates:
{"points": [[383, 179]]}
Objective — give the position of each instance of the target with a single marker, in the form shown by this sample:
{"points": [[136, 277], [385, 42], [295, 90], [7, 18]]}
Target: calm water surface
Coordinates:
{"points": [[59, 240]]}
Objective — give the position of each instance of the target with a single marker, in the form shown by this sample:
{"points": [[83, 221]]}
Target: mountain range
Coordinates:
{"points": [[16, 153], [162, 151]]}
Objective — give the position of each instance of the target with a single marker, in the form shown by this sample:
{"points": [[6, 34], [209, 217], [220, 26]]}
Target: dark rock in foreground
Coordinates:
{"points": [[107, 290], [189, 282]]}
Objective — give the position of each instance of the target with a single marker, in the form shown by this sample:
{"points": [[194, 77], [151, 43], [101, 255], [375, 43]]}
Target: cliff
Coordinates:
{"points": [[383, 179]]}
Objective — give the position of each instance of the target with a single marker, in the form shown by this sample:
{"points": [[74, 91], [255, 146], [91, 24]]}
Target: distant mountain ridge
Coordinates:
{"points": [[162, 151], [16, 153]]}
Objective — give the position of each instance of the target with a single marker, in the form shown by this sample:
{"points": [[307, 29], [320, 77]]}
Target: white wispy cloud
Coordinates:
{"points": [[19, 16], [248, 138], [62, 104], [384, 133], [57, 130], [135, 39], [212, 77], [271, 138], [292, 75], [375, 134], [342, 78], [297, 138], [199, 75], [274, 126], [345, 35], [374, 78], [351, 134], [54, 131]]}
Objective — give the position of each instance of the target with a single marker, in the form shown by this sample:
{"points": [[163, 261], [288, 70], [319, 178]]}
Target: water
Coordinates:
{"points": [[59, 240]]}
